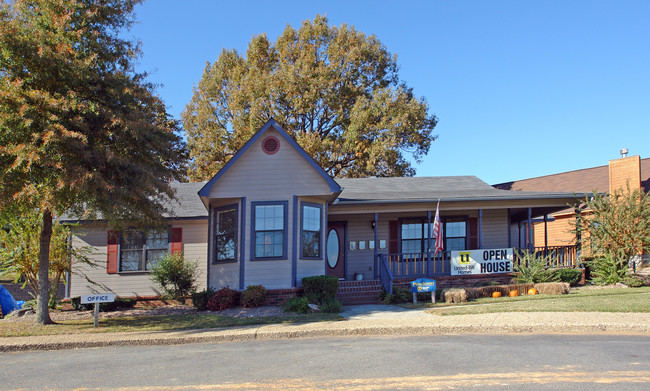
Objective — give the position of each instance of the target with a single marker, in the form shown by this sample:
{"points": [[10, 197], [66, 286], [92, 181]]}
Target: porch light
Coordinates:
{"points": [[372, 225]]}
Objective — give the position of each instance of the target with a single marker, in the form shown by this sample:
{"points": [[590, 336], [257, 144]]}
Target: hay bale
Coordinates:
{"points": [[552, 288], [455, 295]]}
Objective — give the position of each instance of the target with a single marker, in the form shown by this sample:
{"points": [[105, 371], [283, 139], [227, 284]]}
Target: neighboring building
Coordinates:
{"points": [[272, 216], [557, 229]]}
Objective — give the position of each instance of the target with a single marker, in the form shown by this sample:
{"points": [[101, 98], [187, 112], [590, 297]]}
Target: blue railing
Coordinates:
{"points": [[385, 275], [407, 265]]}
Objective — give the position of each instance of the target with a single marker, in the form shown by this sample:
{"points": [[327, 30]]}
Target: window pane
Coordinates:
{"points": [[130, 260], [411, 246], [455, 229], [226, 235], [455, 244], [132, 240], [310, 218], [269, 244], [269, 217], [411, 230], [157, 240], [153, 257], [310, 244]]}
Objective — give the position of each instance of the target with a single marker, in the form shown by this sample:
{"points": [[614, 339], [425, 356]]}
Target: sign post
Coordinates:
{"points": [[101, 298], [423, 285]]}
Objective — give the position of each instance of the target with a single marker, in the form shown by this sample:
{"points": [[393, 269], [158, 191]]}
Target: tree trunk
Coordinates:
{"points": [[43, 294]]}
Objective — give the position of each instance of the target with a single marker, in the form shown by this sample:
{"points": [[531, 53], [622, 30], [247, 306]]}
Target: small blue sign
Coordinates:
{"points": [[423, 285]]}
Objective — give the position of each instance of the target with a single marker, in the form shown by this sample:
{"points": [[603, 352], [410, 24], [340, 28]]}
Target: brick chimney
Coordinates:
{"points": [[624, 170]]}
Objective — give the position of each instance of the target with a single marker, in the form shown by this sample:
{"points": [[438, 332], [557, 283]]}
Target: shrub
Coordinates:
{"points": [[200, 299], [532, 268], [253, 296], [633, 281], [331, 305], [607, 269], [175, 275], [398, 296], [318, 288], [569, 275], [222, 299], [298, 304]]}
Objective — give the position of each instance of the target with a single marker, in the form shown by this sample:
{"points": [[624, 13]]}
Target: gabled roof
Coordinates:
{"points": [[334, 187], [585, 180], [430, 189]]}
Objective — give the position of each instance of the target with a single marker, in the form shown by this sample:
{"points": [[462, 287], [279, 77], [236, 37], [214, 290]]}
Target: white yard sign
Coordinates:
{"points": [[96, 299], [488, 261]]}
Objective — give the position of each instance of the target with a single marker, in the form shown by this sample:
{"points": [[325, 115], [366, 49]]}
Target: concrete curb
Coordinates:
{"points": [[510, 323]]}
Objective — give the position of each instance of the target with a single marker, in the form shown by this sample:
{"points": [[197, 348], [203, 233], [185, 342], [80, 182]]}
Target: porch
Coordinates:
{"points": [[391, 267]]}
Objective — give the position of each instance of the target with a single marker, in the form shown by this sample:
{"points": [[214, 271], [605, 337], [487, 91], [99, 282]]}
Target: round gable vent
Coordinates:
{"points": [[270, 145]]}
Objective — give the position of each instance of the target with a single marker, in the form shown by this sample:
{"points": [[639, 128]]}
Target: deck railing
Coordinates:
{"points": [[385, 275], [557, 256], [416, 265]]}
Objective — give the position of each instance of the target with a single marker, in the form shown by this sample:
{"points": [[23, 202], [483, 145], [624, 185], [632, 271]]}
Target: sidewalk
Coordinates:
{"points": [[371, 320]]}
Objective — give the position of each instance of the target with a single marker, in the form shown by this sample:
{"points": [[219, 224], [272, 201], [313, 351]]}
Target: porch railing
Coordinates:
{"points": [[557, 256], [416, 265], [406, 265], [385, 275]]}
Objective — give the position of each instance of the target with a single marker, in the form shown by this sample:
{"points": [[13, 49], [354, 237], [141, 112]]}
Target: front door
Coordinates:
{"points": [[336, 250]]}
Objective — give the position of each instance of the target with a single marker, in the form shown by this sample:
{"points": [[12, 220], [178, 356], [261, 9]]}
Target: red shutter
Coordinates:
{"points": [[393, 237], [112, 251], [473, 233], [177, 241]]}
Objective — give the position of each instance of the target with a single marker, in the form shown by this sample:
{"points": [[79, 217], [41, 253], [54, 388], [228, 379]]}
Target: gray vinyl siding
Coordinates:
{"points": [[268, 178], [134, 284], [494, 228]]}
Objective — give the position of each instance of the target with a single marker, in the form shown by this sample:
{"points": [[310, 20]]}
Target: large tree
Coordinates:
{"points": [[80, 131], [334, 89]]}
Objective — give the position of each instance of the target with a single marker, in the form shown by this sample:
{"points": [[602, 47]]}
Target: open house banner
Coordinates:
{"points": [[486, 261]]}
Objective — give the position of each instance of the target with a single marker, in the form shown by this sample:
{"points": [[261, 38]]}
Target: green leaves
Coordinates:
{"points": [[334, 89]]}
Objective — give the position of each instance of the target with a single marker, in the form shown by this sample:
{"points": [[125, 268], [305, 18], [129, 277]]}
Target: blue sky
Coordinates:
{"points": [[520, 88]]}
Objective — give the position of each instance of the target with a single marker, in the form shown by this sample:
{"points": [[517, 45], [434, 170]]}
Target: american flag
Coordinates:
{"points": [[437, 230]]}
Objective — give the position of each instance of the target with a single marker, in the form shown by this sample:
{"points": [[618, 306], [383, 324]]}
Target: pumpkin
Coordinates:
{"points": [[532, 291], [496, 294], [514, 293]]}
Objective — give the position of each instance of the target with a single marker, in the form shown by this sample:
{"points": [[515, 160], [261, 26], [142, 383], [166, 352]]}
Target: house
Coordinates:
{"points": [[272, 216], [556, 229]]}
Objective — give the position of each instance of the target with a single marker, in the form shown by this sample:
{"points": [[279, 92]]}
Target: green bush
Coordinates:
{"points": [[633, 281], [532, 268], [569, 275], [200, 299], [318, 288], [331, 305], [175, 275], [298, 304], [222, 299], [253, 296], [398, 296], [607, 269]]}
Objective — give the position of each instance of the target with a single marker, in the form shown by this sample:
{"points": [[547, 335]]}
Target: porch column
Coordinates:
{"points": [[480, 228], [530, 229], [509, 234], [429, 268], [545, 231], [376, 272], [519, 233]]}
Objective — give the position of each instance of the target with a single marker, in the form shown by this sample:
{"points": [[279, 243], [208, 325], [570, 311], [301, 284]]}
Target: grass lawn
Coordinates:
{"points": [[578, 300], [152, 323]]}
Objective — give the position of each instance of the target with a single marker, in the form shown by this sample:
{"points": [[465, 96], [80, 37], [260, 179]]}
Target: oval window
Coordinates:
{"points": [[332, 248]]}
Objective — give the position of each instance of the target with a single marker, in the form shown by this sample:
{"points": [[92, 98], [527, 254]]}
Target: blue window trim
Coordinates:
{"points": [[285, 234], [215, 212], [320, 247]]}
